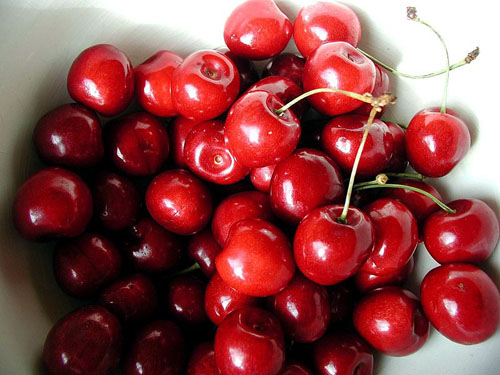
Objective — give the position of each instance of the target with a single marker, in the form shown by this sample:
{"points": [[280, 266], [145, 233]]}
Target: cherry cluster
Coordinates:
{"points": [[231, 228]]}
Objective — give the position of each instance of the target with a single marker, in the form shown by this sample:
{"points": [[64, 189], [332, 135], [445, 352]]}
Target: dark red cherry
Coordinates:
{"points": [[342, 300], [85, 341], [287, 65], [295, 368], [202, 360], [382, 86], [179, 130], [52, 203], [246, 68], [185, 299], [261, 177], [398, 162], [101, 77], [203, 249], [366, 281]]}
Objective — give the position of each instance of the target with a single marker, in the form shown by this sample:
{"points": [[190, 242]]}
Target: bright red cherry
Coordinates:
{"points": [[179, 202], [85, 341], [153, 83], [202, 360], [249, 342], [203, 249], [261, 177], [327, 251], [461, 302], [293, 195], [185, 298], [287, 65], [392, 321], [295, 368], [256, 259], [256, 134], [337, 65], [366, 281], [246, 68], [436, 142], [52, 203], [179, 130], [205, 85], [398, 162], [102, 78], [257, 30]]}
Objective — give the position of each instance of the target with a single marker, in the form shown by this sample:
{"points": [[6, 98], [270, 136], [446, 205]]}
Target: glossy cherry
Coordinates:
{"points": [[398, 162], [52, 203], [179, 130], [203, 249], [101, 77], [382, 86], [246, 68], [185, 298], [366, 281], [287, 65], [261, 177], [202, 360], [342, 299], [295, 368]]}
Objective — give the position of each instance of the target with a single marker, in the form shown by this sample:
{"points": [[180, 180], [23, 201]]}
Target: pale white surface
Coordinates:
{"points": [[39, 40]]}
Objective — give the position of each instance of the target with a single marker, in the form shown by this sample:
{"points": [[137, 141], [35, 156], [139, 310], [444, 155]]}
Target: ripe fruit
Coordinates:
{"points": [[261, 177], [203, 249], [185, 299], [202, 360], [366, 281], [287, 65], [179, 130]]}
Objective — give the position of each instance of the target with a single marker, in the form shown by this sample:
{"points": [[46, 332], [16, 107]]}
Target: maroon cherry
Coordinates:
{"points": [[85, 341], [101, 77], [398, 162], [366, 281], [179, 130], [295, 368], [342, 299], [185, 298], [246, 68], [203, 249], [261, 177], [52, 203], [382, 86], [202, 360], [287, 65]]}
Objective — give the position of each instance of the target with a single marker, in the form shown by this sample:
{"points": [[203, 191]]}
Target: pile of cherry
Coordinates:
{"points": [[221, 243]]}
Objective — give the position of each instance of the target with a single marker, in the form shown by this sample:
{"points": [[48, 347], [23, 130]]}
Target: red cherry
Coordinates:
{"points": [[392, 321], [84, 264], [256, 135], [295, 368], [203, 249], [153, 83], [246, 69], [293, 195], [287, 65], [256, 259], [366, 281], [342, 136], [52, 203], [205, 85], [202, 360], [257, 30], [85, 341], [470, 235], [461, 302], [340, 66], [327, 251], [101, 77], [185, 298], [324, 22], [179, 130], [261, 177], [179, 202], [342, 299], [436, 142], [249, 341], [398, 162], [382, 86]]}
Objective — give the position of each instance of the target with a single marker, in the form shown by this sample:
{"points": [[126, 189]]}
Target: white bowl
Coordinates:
{"points": [[39, 40]]}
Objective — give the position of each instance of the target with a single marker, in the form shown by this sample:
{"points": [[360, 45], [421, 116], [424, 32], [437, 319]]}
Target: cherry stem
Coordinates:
{"points": [[189, 269], [413, 176]]}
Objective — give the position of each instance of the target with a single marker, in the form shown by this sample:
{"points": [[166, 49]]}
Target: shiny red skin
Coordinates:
{"points": [[342, 353], [292, 193], [261, 177], [461, 302], [337, 65], [396, 236], [257, 258], [324, 22], [249, 342], [303, 308], [87, 341], [295, 368], [203, 249], [153, 83], [158, 349], [202, 360], [246, 68], [398, 162], [436, 142], [342, 136], [342, 299], [179, 130], [257, 30], [382, 86], [185, 298], [179, 202], [327, 251], [392, 321], [221, 299], [236, 207], [256, 135], [205, 85], [52, 203], [116, 201], [132, 298], [86, 263], [69, 135], [102, 78], [207, 155], [470, 235], [137, 144], [366, 281], [287, 65]]}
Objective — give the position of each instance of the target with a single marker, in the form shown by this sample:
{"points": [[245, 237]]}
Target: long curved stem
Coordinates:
{"points": [[413, 176]]}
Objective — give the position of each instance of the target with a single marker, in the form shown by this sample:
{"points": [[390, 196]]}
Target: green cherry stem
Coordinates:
{"points": [[413, 176], [189, 269]]}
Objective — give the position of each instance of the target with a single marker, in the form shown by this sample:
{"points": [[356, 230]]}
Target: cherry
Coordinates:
{"points": [[470, 235], [342, 136], [382, 86], [256, 259], [327, 251], [461, 302], [398, 161], [52, 203], [83, 264], [202, 360], [287, 65], [366, 281], [257, 30], [342, 298], [179, 202], [261, 177], [153, 83], [101, 77], [207, 155], [203, 249], [205, 85], [85, 341], [340, 66], [392, 321], [246, 68], [137, 144], [249, 341], [179, 130], [295, 368], [256, 134], [185, 298]]}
